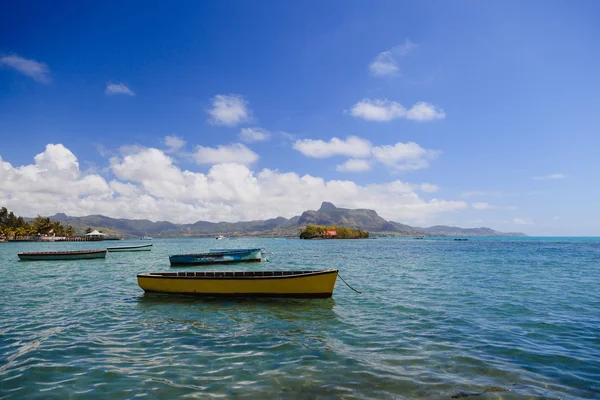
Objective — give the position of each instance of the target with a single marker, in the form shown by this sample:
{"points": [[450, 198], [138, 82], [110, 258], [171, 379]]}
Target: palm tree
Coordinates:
{"points": [[42, 225], [21, 231], [30, 229], [58, 229], [10, 231]]}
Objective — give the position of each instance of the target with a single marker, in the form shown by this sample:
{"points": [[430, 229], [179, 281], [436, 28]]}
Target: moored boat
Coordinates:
{"points": [[220, 237], [146, 238], [139, 247], [62, 255], [222, 256], [224, 250], [263, 251], [318, 284]]}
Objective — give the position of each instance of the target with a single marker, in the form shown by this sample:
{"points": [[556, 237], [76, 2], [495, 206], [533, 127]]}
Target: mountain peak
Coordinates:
{"points": [[327, 206]]}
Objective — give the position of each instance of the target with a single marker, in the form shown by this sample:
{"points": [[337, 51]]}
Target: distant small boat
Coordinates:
{"points": [[220, 256], [221, 237], [62, 255], [139, 247], [146, 238], [316, 284]]}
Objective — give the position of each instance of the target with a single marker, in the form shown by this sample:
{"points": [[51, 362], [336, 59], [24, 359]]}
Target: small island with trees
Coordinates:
{"points": [[332, 232]]}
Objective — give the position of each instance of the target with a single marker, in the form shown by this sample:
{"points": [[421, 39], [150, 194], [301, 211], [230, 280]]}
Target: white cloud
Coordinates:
{"points": [[422, 111], [383, 110], [398, 157], [126, 189], [404, 156], [58, 160], [429, 188], [386, 64], [250, 135], [482, 206], [36, 70], [351, 147], [149, 185], [551, 176], [354, 165], [229, 110], [174, 143], [118, 88], [146, 165], [52, 181], [232, 153]]}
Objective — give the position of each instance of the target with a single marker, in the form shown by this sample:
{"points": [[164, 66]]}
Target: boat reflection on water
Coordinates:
{"points": [[220, 311], [247, 303]]}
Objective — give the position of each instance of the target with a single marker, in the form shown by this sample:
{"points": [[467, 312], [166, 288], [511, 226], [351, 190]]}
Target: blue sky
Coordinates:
{"points": [[464, 113]]}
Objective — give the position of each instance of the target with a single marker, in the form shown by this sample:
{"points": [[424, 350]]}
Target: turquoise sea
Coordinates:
{"points": [[510, 318]]}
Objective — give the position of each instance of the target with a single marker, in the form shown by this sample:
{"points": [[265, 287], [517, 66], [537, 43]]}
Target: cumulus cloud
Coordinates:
{"points": [[148, 184], [146, 165], [229, 110], [251, 135], [352, 146], [404, 156], [173, 143], [53, 180], [118, 88], [36, 70], [550, 177], [398, 157], [232, 153], [354, 165], [386, 64], [429, 188], [383, 110]]}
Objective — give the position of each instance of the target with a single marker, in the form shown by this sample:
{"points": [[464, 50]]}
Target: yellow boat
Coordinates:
{"points": [[318, 284]]}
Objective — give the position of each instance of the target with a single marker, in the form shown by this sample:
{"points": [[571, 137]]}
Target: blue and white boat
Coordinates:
{"points": [[219, 256], [263, 251], [139, 247]]}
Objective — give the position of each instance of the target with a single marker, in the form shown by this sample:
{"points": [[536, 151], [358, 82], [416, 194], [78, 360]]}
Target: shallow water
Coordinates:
{"points": [[437, 318]]}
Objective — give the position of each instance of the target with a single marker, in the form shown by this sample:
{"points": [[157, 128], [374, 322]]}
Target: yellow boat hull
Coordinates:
{"points": [[318, 284]]}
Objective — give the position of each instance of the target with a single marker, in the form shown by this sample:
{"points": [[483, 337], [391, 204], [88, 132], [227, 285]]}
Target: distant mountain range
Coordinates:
{"points": [[328, 214]]}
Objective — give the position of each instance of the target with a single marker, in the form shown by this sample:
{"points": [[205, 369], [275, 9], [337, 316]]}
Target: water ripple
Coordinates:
{"points": [[511, 319]]}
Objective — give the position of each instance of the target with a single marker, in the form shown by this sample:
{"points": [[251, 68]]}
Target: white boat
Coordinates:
{"points": [[139, 247], [221, 237], [146, 238]]}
